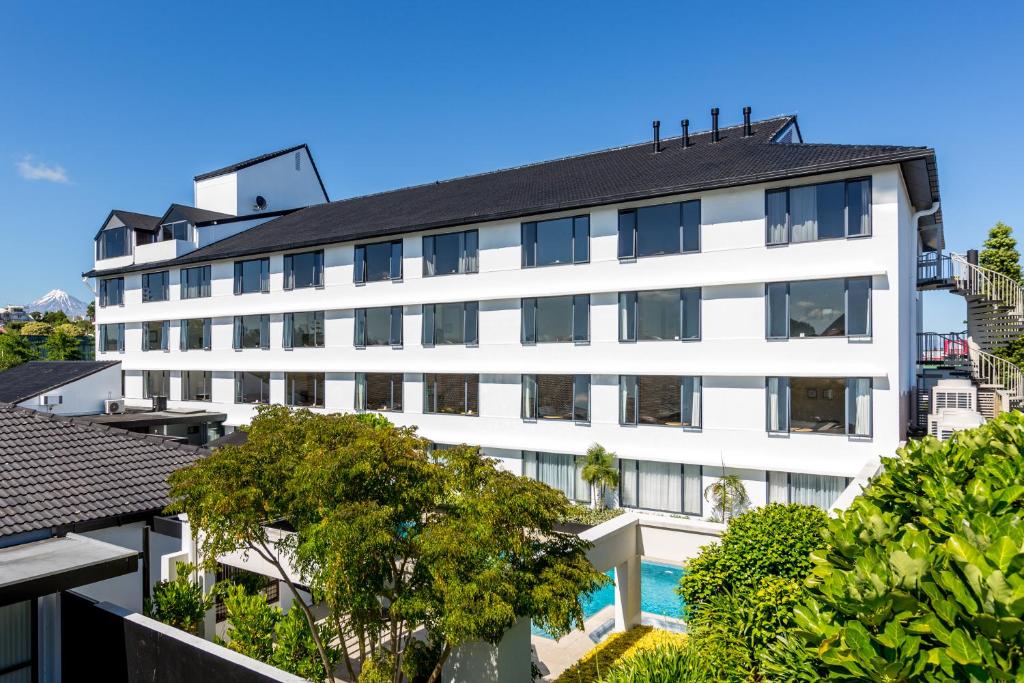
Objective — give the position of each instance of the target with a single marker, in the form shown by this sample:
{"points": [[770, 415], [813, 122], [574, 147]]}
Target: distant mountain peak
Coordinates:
{"points": [[58, 300]]}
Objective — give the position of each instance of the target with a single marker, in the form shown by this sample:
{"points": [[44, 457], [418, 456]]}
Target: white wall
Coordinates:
{"points": [[276, 180], [81, 397]]}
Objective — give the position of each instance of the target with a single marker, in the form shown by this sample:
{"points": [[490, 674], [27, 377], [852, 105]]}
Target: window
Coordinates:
{"points": [[155, 335], [178, 230], [304, 270], [378, 261], [562, 240], [195, 282], [556, 397], [379, 391], [112, 338], [660, 400], [304, 389], [820, 405], [303, 330], [807, 489], [113, 242], [378, 326], [252, 387], [556, 319], [155, 286], [251, 332], [560, 471], [819, 308], [666, 486], [156, 383], [450, 253], [451, 394], [451, 323], [196, 385], [18, 652], [659, 315], [112, 292], [663, 229], [818, 212], [195, 334], [252, 276]]}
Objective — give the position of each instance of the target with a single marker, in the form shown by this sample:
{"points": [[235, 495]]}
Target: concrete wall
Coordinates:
{"points": [[81, 397]]}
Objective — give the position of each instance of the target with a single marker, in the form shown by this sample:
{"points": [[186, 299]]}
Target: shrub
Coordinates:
{"points": [[35, 328], [419, 659], [179, 603], [295, 651], [581, 514], [664, 664], [617, 647], [251, 623], [379, 668]]}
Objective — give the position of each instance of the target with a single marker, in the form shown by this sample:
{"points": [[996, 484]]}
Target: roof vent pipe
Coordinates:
{"points": [[714, 124], [685, 123], [746, 122], [657, 135]]}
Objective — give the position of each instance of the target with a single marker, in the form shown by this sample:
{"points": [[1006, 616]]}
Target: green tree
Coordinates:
{"points": [[600, 472], [179, 603], [728, 495], [295, 650], [251, 622], [999, 252], [90, 312], [15, 350], [389, 540], [36, 328], [62, 346], [55, 318]]}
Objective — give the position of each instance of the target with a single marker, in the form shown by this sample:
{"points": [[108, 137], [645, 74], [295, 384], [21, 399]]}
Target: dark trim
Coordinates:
{"points": [[55, 583], [167, 526], [247, 217], [255, 161]]}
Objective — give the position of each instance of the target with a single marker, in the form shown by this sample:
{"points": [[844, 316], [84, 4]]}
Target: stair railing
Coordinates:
{"points": [[993, 370], [976, 280]]}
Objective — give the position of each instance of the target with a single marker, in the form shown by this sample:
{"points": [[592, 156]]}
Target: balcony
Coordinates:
{"points": [[162, 251]]}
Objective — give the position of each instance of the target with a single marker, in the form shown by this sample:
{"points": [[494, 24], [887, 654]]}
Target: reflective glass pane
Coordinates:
{"points": [[306, 269], [657, 230], [378, 326], [447, 253], [778, 318], [554, 242], [658, 315], [659, 400], [858, 302], [817, 405], [831, 210], [817, 308], [449, 323], [554, 319], [858, 203], [378, 262]]}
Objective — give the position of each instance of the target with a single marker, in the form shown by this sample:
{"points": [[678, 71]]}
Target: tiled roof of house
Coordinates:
{"points": [[138, 221], [56, 472], [24, 381]]}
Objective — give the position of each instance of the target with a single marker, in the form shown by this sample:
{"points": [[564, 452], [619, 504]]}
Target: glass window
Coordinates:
{"points": [[817, 405], [669, 487], [252, 276], [554, 319], [450, 253], [17, 650], [858, 208], [806, 489], [777, 216], [556, 397], [112, 292], [112, 243], [381, 391], [251, 332], [378, 261], [451, 394], [112, 338], [818, 212], [660, 400], [303, 330], [155, 286], [178, 230], [858, 307], [304, 389], [252, 387], [557, 241], [450, 323], [195, 334], [560, 471], [156, 383], [195, 282], [155, 335], [819, 308], [304, 270], [196, 385], [378, 326], [660, 315], [662, 229]]}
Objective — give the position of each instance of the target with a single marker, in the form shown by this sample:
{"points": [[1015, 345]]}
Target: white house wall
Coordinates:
{"points": [[278, 181], [81, 397]]}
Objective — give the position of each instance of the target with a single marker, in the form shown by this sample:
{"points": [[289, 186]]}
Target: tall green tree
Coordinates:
{"points": [[728, 495], [15, 350], [62, 346], [600, 472], [389, 540], [999, 252]]}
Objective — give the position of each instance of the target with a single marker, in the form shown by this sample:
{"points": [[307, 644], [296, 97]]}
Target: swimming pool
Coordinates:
{"points": [[658, 583]]}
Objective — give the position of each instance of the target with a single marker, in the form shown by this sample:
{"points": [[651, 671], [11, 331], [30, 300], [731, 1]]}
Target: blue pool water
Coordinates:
{"points": [[658, 583]]}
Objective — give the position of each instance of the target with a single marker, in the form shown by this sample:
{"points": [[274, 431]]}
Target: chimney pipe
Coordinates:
{"points": [[714, 124], [657, 135], [746, 122], [685, 123]]}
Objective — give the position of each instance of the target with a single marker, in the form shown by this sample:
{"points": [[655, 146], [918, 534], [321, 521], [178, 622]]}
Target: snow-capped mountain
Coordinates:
{"points": [[58, 300]]}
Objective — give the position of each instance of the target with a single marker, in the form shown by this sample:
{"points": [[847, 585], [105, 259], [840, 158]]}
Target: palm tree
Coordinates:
{"points": [[600, 472], [728, 495]]}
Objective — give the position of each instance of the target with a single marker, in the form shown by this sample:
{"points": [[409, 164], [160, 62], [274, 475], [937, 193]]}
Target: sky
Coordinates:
{"points": [[118, 105]]}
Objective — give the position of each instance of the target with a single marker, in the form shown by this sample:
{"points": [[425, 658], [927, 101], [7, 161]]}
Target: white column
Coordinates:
{"points": [[508, 662], [627, 594]]}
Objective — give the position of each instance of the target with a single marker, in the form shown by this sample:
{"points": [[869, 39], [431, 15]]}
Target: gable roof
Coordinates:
{"points": [[135, 221], [59, 472], [36, 377], [578, 182], [267, 157], [193, 214]]}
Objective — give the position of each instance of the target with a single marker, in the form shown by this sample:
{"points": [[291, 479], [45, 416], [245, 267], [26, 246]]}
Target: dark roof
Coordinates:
{"points": [[578, 182], [235, 438], [192, 214], [138, 221], [136, 419], [250, 162], [24, 381], [58, 472]]}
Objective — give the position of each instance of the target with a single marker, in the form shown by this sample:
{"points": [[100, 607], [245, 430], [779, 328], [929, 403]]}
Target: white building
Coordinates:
{"points": [[636, 297]]}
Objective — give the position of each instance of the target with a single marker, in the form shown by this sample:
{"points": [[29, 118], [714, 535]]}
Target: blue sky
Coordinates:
{"points": [[107, 105]]}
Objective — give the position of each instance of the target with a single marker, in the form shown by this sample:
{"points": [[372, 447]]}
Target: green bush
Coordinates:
{"points": [[664, 664], [923, 576], [296, 651], [179, 603], [419, 659], [251, 622], [379, 668], [580, 514]]}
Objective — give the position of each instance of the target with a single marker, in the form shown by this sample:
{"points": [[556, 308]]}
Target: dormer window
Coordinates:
{"points": [[113, 242], [178, 230]]}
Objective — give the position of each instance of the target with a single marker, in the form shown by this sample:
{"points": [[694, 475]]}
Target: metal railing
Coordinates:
{"points": [[945, 348], [992, 370], [971, 279]]}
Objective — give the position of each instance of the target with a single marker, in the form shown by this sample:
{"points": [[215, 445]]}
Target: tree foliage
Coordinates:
{"points": [[599, 470], [62, 346], [179, 603], [728, 495], [999, 252], [36, 328], [15, 350]]}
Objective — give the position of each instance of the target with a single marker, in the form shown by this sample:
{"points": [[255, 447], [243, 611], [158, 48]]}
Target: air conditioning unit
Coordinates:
{"points": [[113, 406], [949, 420], [51, 400]]}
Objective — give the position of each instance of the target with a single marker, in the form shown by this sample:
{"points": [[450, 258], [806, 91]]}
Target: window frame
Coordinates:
{"points": [[789, 485], [165, 333], [699, 513], [101, 243], [239, 276], [629, 303], [533, 413], [846, 211], [629, 222], [430, 408], [238, 331], [395, 262], [698, 382], [238, 376], [470, 324], [288, 330], [429, 252], [104, 337], [847, 406], [207, 334], [319, 389], [318, 270], [147, 287], [362, 382], [204, 285], [395, 327], [528, 331], [846, 309], [207, 384], [579, 246], [166, 231], [104, 292], [166, 384]]}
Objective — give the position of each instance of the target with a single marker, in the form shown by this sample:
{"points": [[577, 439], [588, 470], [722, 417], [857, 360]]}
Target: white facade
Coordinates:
{"points": [[285, 182], [84, 396]]}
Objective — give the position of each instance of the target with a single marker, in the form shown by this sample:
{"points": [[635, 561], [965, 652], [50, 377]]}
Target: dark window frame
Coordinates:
{"points": [[630, 302], [166, 383], [239, 329], [396, 326], [395, 404], [204, 284], [846, 212], [467, 246], [165, 334], [628, 230], [682, 494], [101, 243], [104, 337], [167, 231], [239, 267], [104, 297], [395, 262], [681, 380], [288, 330], [786, 385], [207, 334], [318, 270], [529, 333], [319, 389], [239, 377], [470, 324], [579, 244], [148, 295], [207, 385], [580, 410], [429, 388], [846, 310], [789, 484]]}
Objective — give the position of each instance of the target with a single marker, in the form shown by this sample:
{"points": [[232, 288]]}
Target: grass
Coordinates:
{"points": [[615, 648]]}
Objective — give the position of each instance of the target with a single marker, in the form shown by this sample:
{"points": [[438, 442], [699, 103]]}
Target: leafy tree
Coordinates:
{"points": [[389, 540], [251, 622], [296, 651], [179, 603], [728, 495], [999, 252], [601, 473], [62, 346], [55, 318], [90, 312], [36, 328], [70, 329], [15, 350]]}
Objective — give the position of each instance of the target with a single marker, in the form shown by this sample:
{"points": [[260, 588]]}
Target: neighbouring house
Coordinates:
{"points": [[14, 314], [62, 387]]}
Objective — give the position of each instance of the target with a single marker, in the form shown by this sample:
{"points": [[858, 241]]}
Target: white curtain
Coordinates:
{"points": [[778, 487], [360, 391], [815, 489], [692, 490], [803, 208], [582, 487], [860, 405], [530, 464], [691, 401], [557, 471], [777, 218], [778, 405], [661, 486], [627, 480]]}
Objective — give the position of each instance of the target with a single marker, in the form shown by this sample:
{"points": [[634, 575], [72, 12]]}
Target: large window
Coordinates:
{"points": [[556, 319], [562, 240], [378, 326], [450, 253], [818, 212], [666, 486], [155, 286], [451, 394], [113, 242], [251, 332], [303, 330], [378, 261], [806, 489], [112, 292], [304, 270], [663, 229], [820, 405], [556, 397], [156, 383], [451, 323], [252, 276], [196, 385], [659, 315], [112, 338], [380, 391], [304, 389], [195, 334], [660, 400], [195, 282], [252, 387], [819, 308], [178, 230], [155, 335], [560, 471]]}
